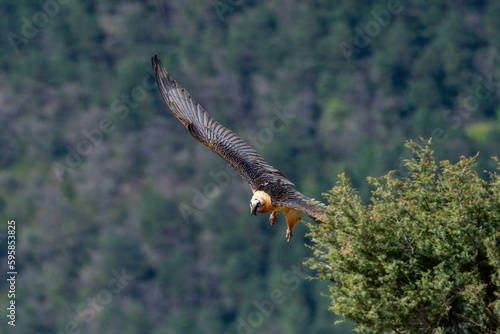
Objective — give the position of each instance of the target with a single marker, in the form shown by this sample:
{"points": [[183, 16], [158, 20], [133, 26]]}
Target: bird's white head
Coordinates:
{"points": [[260, 202], [255, 204]]}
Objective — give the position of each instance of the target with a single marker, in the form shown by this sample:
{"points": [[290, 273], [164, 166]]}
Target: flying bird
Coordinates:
{"points": [[272, 191]]}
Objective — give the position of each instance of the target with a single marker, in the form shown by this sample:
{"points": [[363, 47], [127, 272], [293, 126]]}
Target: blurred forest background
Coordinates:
{"points": [[125, 224]]}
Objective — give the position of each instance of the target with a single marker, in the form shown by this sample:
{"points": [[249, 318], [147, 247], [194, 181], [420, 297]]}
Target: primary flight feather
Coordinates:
{"points": [[271, 189]]}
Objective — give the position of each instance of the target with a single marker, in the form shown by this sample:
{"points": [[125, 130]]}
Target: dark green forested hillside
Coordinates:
{"points": [[125, 224]]}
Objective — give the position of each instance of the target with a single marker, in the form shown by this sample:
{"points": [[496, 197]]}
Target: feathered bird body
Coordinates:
{"points": [[284, 196], [271, 188]]}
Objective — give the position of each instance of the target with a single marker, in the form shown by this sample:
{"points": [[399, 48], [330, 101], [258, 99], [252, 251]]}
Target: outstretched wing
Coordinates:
{"points": [[241, 156]]}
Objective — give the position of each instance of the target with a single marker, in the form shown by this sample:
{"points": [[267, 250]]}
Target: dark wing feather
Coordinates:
{"points": [[288, 197], [241, 156], [311, 207]]}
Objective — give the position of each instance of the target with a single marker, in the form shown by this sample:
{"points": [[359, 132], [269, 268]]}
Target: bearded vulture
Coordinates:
{"points": [[271, 189]]}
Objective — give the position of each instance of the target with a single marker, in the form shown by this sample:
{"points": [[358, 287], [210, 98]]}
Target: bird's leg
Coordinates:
{"points": [[273, 219], [292, 218]]}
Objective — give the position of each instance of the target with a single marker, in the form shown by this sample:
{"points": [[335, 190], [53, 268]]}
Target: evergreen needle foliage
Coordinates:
{"points": [[423, 257]]}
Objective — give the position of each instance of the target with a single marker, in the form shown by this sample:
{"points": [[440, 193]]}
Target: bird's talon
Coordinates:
{"points": [[273, 220], [289, 235]]}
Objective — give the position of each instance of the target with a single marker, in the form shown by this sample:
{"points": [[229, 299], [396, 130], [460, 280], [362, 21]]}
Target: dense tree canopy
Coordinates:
{"points": [[424, 257]]}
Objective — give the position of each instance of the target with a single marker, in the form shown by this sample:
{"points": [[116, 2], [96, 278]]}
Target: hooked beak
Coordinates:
{"points": [[253, 208]]}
